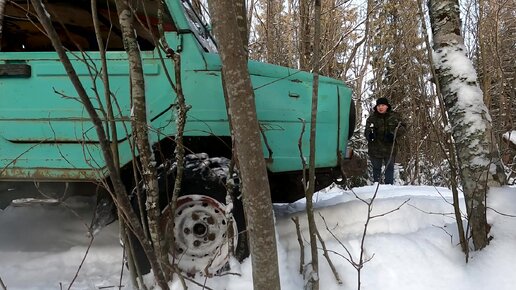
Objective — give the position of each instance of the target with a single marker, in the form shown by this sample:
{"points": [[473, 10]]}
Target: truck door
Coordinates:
{"points": [[42, 121]]}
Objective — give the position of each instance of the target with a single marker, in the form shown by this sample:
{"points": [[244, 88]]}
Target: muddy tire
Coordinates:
{"points": [[200, 224]]}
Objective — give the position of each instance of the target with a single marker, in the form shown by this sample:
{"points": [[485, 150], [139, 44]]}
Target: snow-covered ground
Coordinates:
{"points": [[414, 247]]}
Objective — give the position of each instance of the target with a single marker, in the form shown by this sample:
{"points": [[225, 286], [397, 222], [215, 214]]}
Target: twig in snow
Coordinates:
{"points": [[501, 213], [444, 230], [391, 211], [325, 254], [2, 284], [82, 262], [301, 245], [445, 214], [111, 286]]}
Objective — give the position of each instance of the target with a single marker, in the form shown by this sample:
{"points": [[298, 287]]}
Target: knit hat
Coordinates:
{"points": [[383, 101]]}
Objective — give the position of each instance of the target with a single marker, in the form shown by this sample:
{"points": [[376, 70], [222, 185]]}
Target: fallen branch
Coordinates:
{"points": [[92, 237], [301, 245], [325, 254], [501, 213], [2, 284], [391, 211]]}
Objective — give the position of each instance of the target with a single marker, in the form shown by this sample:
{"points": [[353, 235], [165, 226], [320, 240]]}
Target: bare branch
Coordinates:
{"points": [[301, 245], [328, 259], [501, 213], [391, 211], [2, 284], [82, 262]]}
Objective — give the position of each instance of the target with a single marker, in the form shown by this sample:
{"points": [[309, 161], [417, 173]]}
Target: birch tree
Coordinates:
{"points": [[313, 279], [246, 135], [140, 129], [469, 118]]}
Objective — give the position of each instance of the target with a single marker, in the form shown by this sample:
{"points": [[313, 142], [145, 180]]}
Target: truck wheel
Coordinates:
{"points": [[202, 229]]}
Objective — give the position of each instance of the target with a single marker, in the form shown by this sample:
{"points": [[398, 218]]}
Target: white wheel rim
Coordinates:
{"points": [[201, 234]]}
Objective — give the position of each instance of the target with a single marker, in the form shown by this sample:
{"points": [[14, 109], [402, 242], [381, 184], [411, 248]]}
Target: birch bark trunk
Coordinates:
{"points": [[479, 163], [140, 129]]}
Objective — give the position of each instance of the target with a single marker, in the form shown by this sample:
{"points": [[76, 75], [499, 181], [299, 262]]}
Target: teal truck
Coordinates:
{"points": [[46, 136]]}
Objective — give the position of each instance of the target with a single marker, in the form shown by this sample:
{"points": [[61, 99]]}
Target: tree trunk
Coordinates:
{"points": [[2, 10], [304, 35], [470, 121], [271, 35], [446, 142], [140, 129], [246, 135], [314, 277], [242, 27], [105, 81]]}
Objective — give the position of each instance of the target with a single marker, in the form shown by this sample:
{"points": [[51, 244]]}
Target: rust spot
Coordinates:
{"points": [[195, 216], [49, 174]]}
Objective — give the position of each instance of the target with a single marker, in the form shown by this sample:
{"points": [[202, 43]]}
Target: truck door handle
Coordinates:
{"points": [[15, 70]]}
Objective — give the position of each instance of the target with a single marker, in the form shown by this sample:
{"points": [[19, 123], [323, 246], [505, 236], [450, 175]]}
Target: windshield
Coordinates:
{"points": [[198, 18]]}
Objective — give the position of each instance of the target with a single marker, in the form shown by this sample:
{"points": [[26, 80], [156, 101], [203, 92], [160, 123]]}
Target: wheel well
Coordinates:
{"points": [[219, 146], [285, 186], [212, 145]]}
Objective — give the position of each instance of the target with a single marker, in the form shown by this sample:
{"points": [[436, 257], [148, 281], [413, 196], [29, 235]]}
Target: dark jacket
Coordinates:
{"points": [[381, 132]]}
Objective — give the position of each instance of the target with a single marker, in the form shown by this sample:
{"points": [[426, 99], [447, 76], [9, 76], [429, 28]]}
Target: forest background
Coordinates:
{"points": [[382, 49]]}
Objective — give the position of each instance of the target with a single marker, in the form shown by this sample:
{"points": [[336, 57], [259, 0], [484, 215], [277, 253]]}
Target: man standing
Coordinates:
{"points": [[383, 127]]}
